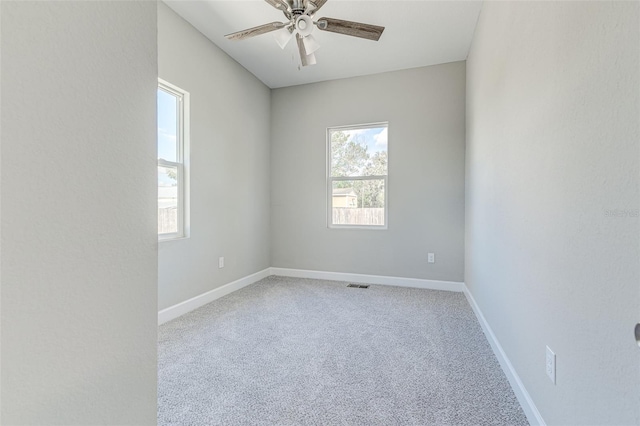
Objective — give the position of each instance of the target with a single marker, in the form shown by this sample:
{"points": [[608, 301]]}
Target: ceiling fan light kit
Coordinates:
{"points": [[283, 37], [310, 44], [300, 15], [304, 25], [307, 58]]}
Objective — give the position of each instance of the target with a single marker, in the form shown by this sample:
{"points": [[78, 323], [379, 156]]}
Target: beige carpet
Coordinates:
{"points": [[289, 351]]}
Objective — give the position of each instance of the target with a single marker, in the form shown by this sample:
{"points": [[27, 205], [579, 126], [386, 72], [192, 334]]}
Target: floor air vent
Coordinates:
{"points": [[357, 286]]}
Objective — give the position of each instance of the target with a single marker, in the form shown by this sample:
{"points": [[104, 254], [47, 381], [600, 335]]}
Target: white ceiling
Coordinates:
{"points": [[417, 33]]}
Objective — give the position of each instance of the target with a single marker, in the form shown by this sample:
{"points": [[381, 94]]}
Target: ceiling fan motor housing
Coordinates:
{"points": [[297, 7]]}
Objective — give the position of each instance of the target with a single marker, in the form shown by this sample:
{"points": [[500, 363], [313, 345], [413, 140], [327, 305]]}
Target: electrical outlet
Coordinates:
{"points": [[221, 262], [431, 258], [551, 365]]}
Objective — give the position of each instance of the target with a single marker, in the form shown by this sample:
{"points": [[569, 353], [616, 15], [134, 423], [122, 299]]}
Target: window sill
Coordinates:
{"points": [[359, 227], [169, 239]]}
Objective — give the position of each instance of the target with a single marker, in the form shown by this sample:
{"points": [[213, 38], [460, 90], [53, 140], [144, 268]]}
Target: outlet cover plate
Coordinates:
{"points": [[551, 365]]}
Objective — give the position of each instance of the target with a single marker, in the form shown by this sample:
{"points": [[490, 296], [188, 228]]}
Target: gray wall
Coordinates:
{"points": [[230, 113], [425, 111], [552, 145], [79, 244]]}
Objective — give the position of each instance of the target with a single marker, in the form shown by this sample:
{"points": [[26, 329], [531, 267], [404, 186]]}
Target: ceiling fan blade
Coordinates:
{"points": [[306, 59], [252, 32], [350, 28], [317, 4], [279, 4]]}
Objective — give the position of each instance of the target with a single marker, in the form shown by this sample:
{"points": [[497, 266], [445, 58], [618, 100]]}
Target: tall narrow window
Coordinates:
{"points": [[357, 173], [172, 174]]}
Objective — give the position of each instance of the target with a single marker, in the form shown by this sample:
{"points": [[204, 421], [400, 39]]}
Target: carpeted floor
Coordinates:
{"points": [[290, 351]]}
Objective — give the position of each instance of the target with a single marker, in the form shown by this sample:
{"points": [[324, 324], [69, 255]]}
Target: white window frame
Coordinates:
{"points": [[182, 163], [331, 179]]}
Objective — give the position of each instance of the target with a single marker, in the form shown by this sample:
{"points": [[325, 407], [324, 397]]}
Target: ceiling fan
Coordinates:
{"points": [[300, 16]]}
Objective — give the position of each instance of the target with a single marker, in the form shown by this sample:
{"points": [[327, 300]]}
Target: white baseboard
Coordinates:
{"points": [[175, 311], [528, 406], [370, 279], [182, 308]]}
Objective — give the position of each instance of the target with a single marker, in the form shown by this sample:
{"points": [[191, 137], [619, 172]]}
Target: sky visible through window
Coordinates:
{"points": [[359, 151], [167, 132], [374, 138]]}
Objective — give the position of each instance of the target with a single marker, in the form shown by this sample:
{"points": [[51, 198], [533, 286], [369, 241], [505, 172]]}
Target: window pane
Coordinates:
{"points": [[358, 202], [167, 200], [359, 152], [167, 126]]}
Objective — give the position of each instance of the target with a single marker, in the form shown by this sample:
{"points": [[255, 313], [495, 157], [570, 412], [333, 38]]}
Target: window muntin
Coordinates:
{"points": [[357, 176], [172, 182]]}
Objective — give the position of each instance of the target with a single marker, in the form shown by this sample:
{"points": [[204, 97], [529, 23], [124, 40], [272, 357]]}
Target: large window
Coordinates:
{"points": [[173, 108], [357, 173]]}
